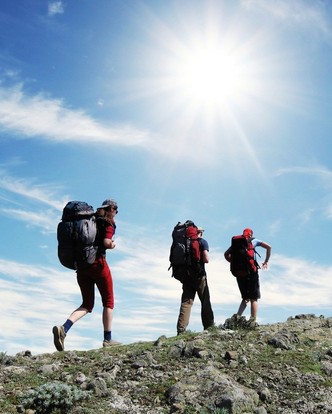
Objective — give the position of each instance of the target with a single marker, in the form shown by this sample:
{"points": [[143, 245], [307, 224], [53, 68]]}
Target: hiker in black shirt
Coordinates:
{"points": [[249, 285]]}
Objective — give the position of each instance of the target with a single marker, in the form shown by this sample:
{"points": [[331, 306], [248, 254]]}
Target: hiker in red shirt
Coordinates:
{"points": [[97, 274]]}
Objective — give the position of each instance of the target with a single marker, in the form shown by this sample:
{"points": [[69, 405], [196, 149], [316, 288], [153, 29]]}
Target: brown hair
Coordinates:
{"points": [[105, 213]]}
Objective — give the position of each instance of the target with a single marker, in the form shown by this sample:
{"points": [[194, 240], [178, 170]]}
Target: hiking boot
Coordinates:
{"points": [[110, 343], [252, 324], [228, 324], [59, 335], [236, 321]]}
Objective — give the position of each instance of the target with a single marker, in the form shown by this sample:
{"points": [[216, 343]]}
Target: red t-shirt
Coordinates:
{"points": [[105, 232], [109, 232]]}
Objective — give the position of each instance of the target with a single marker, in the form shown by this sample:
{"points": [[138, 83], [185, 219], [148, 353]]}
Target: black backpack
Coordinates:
{"points": [[243, 261], [185, 251], [76, 234]]}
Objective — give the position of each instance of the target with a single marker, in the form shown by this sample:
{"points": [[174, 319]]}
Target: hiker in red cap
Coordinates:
{"points": [[248, 278]]}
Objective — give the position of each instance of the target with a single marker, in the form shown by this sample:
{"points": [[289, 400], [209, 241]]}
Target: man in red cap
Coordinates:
{"points": [[249, 286]]}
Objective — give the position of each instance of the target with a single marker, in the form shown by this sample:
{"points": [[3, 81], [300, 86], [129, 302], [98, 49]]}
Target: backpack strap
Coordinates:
{"points": [[255, 252]]}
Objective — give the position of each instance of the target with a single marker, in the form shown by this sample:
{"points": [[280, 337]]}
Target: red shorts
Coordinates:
{"points": [[98, 274]]}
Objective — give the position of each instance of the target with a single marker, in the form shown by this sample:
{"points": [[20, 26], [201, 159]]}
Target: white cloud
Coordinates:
{"points": [[50, 119], [321, 172], [329, 211], [55, 7], [147, 298], [311, 16], [44, 194], [46, 220], [321, 175], [31, 194], [49, 295]]}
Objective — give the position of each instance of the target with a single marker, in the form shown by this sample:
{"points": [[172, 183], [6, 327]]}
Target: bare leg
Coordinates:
{"points": [[78, 314], [107, 319], [242, 306], [254, 308]]}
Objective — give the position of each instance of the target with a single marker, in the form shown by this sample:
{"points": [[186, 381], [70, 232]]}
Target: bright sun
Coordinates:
{"points": [[212, 76]]}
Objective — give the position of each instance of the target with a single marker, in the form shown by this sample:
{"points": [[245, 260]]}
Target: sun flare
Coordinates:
{"points": [[212, 76]]}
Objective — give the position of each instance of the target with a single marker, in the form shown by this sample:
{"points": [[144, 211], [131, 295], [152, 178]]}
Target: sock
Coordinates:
{"points": [[107, 335], [67, 325]]}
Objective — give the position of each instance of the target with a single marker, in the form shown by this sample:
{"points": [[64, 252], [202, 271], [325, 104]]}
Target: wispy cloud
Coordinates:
{"points": [[310, 16], [329, 211], [322, 177], [49, 119], [42, 193], [46, 220], [25, 200], [303, 280], [55, 7], [321, 172]]}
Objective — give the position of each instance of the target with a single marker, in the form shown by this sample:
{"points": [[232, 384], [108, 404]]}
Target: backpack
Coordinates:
{"points": [[76, 234], [243, 261], [185, 254]]}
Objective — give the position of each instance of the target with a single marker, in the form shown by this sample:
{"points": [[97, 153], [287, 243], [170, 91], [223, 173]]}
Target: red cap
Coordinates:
{"points": [[247, 232]]}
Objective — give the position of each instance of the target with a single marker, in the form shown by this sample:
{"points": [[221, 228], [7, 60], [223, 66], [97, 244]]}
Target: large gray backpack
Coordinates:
{"points": [[76, 234]]}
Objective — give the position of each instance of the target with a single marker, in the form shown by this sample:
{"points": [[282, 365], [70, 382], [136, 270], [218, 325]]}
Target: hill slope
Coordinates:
{"points": [[278, 368]]}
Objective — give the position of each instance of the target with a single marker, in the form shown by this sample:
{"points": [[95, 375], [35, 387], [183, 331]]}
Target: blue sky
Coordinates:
{"points": [[215, 111]]}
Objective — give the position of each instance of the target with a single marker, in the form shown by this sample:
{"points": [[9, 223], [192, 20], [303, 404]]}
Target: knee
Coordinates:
{"points": [[109, 304], [87, 306], [187, 302]]}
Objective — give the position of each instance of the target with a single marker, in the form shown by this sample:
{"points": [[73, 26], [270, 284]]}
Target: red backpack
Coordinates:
{"points": [[243, 261], [185, 251]]}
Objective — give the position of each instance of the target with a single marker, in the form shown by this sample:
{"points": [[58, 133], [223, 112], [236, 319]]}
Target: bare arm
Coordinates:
{"points": [[227, 254], [268, 253], [109, 244], [206, 256]]}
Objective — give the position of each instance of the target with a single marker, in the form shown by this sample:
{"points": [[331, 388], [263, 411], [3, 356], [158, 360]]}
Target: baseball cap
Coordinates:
{"points": [[200, 229], [109, 203], [248, 232]]}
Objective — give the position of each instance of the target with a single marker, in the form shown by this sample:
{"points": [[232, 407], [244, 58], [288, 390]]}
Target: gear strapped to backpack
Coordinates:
{"points": [[243, 261], [76, 234], [185, 252]]}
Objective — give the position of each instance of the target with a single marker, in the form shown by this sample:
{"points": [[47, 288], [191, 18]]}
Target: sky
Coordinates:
{"points": [[213, 111]]}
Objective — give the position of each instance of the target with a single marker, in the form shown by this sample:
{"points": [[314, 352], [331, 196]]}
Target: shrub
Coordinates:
{"points": [[2, 357], [52, 396]]}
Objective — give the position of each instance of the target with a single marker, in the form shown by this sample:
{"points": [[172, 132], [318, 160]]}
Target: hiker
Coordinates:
{"points": [[249, 284], [97, 274], [196, 284]]}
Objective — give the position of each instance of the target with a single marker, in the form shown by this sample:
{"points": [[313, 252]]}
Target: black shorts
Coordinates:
{"points": [[249, 286]]}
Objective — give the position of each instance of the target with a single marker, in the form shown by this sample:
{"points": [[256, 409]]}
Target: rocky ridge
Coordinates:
{"points": [[236, 368]]}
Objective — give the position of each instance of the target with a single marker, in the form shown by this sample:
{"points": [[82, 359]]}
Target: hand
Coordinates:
{"points": [[109, 244], [264, 265]]}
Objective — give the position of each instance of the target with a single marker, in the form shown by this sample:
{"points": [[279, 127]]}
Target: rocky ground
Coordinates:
{"points": [[237, 368]]}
